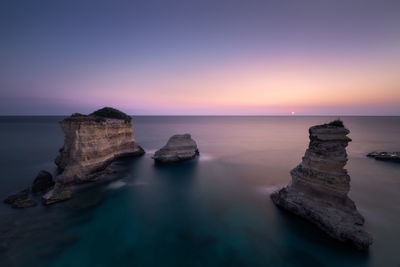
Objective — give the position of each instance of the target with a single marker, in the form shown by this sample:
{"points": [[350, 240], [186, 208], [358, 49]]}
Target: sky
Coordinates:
{"points": [[187, 57]]}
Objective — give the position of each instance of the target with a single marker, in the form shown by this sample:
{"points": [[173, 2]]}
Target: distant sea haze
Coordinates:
{"points": [[213, 211]]}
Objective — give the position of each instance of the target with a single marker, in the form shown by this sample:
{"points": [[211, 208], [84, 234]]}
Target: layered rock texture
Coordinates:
{"points": [[91, 143], [385, 156], [320, 184], [179, 147]]}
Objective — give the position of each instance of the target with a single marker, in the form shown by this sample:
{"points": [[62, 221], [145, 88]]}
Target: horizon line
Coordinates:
{"points": [[218, 115]]}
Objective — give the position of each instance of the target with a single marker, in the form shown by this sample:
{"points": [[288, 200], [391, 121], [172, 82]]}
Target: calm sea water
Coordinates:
{"points": [[214, 211]]}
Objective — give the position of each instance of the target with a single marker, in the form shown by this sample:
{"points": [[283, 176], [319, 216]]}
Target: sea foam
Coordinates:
{"points": [[116, 185]]}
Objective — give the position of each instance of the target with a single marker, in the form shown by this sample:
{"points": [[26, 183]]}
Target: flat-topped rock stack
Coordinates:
{"points": [[91, 143], [320, 184], [180, 147]]}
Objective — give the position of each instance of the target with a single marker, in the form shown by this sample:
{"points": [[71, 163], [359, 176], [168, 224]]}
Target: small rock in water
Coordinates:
{"points": [[25, 203], [179, 147], [20, 200], [16, 197], [43, 182], [385, 156]]}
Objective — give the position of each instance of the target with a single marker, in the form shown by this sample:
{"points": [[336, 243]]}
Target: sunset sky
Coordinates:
{"points": [[220, 57]]}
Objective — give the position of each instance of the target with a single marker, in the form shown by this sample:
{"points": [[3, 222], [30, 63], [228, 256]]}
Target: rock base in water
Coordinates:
{"points": [[26, 203], [385, 156], [320, 184], [20, 200], [42, 183], [341, 221], [178, 148], [57, 194]]}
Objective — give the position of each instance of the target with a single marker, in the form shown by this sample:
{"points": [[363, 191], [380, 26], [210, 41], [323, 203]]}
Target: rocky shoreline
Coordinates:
{"points": [[320, 184]]}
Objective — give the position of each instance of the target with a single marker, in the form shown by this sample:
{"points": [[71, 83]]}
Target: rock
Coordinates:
{"points": [[320, 184], [91, 143], [43, 182], [385, 156], [59, 193], [178, 148], [26, 203], [16, 197], [20, 200], [26, 190]]}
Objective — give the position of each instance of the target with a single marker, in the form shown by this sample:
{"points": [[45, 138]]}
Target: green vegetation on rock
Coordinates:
{"points": [[113, 113], [336, 123]]}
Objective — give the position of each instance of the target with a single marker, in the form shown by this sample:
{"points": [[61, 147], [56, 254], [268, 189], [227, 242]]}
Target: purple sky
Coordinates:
{"points": [[226, 57]]}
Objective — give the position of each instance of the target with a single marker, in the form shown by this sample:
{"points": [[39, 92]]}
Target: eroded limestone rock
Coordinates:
{"points": [[179, 147], [320, 184], [91, 143]]}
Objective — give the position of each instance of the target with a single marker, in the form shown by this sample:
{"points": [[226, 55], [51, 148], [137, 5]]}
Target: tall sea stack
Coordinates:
{"points": [[320, 184], [91, 143]]}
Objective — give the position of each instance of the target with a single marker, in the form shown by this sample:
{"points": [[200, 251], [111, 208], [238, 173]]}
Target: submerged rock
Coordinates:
{"points": [[385, 156], [179, 147], [25, 203], [43, 182], [20, 200], [320, 184], [16, 197], [91, 143]]}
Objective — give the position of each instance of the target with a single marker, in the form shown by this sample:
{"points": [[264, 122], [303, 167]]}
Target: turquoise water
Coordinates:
{"points": [[213, 211]]}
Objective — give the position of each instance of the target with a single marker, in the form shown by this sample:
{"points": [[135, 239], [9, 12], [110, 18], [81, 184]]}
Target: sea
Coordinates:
{"points": [[212, 211]]}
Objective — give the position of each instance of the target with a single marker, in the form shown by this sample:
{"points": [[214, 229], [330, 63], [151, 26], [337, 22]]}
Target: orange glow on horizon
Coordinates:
{"points": [[253, 85]]}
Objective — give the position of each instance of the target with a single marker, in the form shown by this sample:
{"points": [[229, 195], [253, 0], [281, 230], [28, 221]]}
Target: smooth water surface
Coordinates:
{"points": [[213, 211]]}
